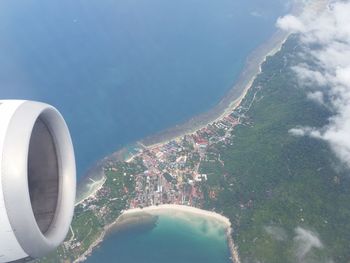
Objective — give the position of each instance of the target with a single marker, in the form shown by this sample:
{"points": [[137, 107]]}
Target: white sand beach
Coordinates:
{"points": [[182, 211], [177, 211]]}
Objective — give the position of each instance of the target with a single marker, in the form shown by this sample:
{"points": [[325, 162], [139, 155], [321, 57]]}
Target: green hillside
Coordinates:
{"points": [[273, 182]]}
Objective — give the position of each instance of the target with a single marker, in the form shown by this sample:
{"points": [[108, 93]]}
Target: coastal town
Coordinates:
{"points": [[174, 172], [178, 172]]}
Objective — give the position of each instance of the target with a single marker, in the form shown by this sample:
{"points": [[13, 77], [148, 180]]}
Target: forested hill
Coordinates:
{"points": [[288, 197]]}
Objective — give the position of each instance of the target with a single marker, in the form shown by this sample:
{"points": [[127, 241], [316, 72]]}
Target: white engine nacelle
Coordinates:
{"points": [[37, 180]]}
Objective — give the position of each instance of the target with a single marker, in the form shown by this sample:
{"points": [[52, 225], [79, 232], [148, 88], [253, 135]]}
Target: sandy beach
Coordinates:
{"points": [[178, 210], [146, 215], [182, 211]]}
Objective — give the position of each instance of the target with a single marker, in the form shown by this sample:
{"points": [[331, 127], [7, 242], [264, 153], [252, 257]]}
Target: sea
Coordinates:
{"points": [[121, 70], [173, 240]]}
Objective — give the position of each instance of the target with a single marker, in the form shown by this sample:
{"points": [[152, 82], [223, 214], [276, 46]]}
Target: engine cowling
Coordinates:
{"points": [[37, 180]]}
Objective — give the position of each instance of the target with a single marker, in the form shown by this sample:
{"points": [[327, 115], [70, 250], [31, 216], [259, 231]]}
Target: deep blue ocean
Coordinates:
{"points": [[120, 70]]}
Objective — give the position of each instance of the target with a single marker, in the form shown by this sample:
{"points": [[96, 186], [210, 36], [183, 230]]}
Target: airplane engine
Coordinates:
{"points": [[37, 180]]}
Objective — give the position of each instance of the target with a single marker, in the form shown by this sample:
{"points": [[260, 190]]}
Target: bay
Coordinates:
{"points": [[193, 239]]}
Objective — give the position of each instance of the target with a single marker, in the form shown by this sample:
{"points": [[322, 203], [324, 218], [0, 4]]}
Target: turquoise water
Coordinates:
{"points": [[174, 240], [120, 70]]}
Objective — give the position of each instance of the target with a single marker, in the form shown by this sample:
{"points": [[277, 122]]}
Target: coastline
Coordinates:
{"points": [[231, 100], [225, 107], [229, 103], [95, 177], [237, 92], [172, 208], [91, 184]]}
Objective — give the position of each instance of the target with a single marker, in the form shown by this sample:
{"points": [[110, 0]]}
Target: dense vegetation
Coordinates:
{"points": [[92, 216], [273, 182]]}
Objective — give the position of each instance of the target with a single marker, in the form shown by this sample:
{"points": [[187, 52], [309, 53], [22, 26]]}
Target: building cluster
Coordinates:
{"points": [[172, 170]]}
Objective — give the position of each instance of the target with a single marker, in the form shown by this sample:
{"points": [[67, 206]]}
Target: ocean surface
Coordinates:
{"points": [[193, 239], [120, 70]]}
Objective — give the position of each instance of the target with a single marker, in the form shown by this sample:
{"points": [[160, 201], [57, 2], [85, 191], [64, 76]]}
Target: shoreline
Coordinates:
{"points": [[91, 183], [229, 102], [166, 208], [232, 100], [182, 129], [95, 177], [234, 96]]}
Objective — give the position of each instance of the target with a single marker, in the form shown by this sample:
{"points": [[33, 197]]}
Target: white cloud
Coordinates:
{"points": [[326, 39], [309, 76], [290, 23], [316, 96], [305, 241], [298, 132], [306, 244], [277, 233], [306, 131]]}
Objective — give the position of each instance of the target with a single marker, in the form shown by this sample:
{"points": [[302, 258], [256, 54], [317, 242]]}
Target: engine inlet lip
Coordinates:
{"points": [[15, 178]]}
